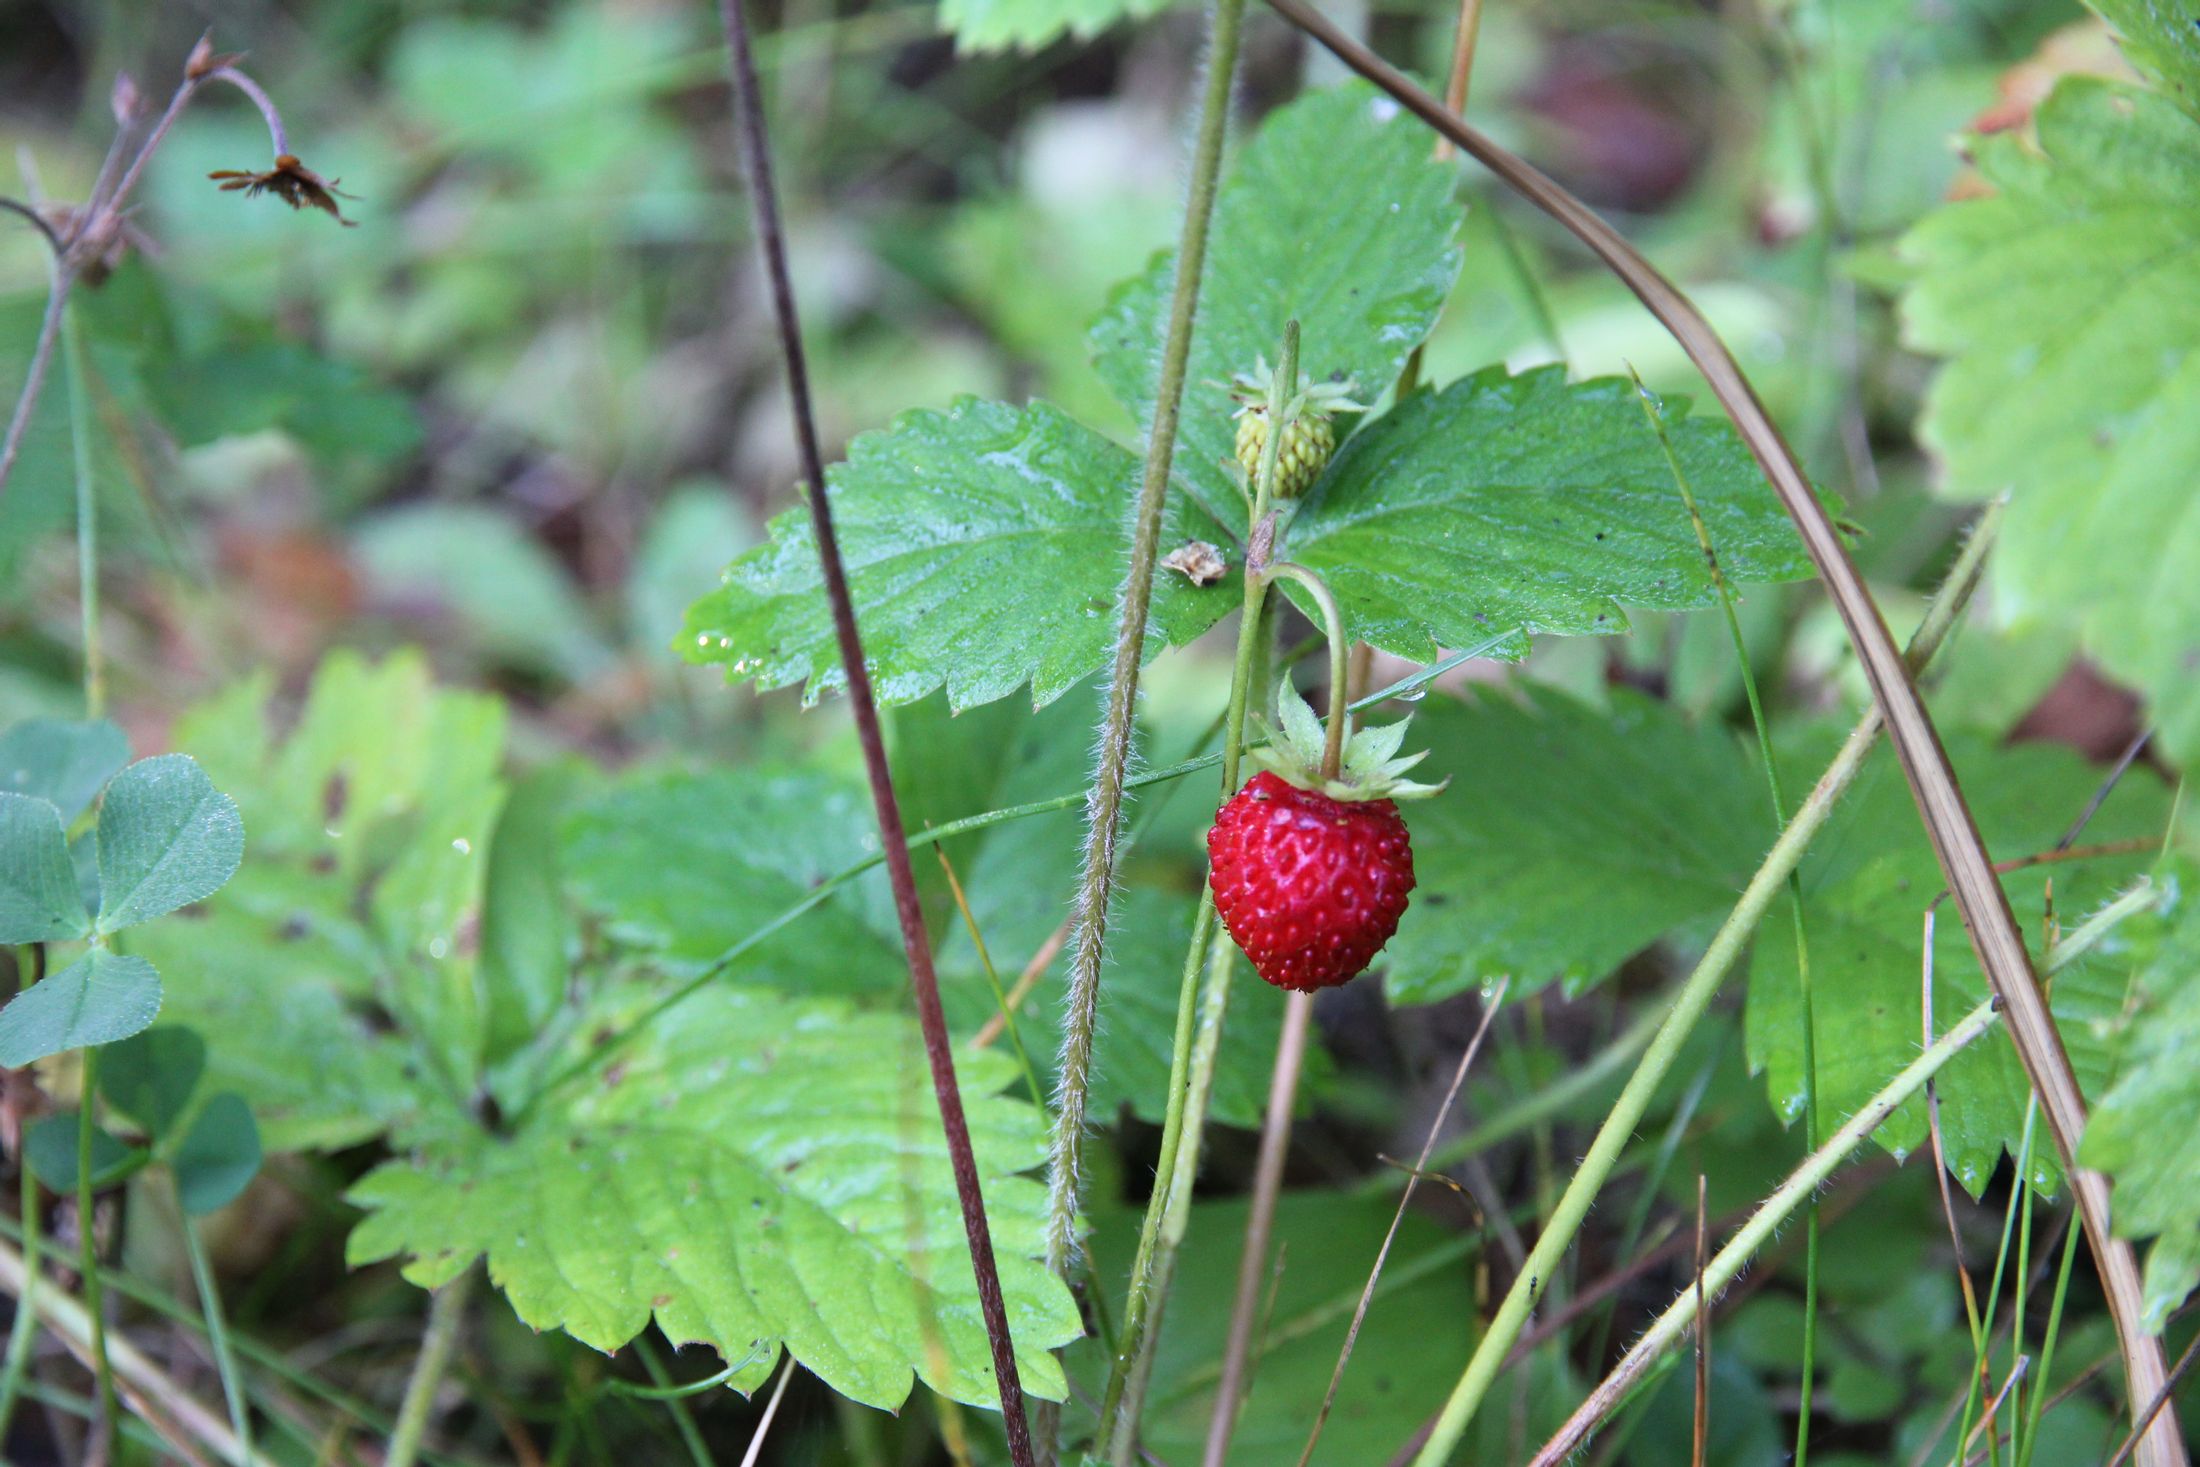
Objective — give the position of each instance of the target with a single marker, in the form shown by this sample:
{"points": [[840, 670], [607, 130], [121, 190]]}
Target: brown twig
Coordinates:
{"points": [[1949, 826], [2154, 1407], [923, 981]]}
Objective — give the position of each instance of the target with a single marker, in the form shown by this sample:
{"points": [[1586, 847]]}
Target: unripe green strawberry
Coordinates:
{"points": [[1308, 440], [1309, 437]]}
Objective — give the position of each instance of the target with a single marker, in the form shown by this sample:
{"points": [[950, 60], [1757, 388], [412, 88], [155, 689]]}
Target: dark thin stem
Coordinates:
{"points": [[38, 221], [893, 840], [2154, 1407], [34, 378]]}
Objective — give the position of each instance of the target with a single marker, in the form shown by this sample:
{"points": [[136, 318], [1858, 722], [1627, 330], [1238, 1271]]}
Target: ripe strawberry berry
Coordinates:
{"points": [[1311, 875]]}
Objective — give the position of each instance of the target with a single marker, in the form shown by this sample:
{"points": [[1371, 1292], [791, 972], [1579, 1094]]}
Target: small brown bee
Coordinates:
{"points": [[292, 182]]}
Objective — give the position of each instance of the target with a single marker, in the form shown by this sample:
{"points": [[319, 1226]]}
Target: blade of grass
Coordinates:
{"points": [[1490, 1007], [1654, 410], [217, 1332], [1821, 1164], [1987, 918]]}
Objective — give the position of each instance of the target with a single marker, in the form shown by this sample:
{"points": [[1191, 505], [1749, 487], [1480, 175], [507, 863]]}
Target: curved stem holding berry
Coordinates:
{"points": [[1340, 651]]}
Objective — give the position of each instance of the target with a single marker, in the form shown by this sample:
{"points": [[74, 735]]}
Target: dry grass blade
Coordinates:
{"points": [[1405, 1199], [1948, 824], [771, 1412], [2155, 1407], [1703, 1328]]}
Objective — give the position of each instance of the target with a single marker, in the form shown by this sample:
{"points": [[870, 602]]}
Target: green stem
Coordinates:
{"points": [[683, 1420], [447, 1309], [1198, 1039], [25, 1327], [88, 1244], [1654, 411], [2031, 1439], [87, 511], [1065, 1167], [1340, 652], [217, 1332], [1694, 996]]}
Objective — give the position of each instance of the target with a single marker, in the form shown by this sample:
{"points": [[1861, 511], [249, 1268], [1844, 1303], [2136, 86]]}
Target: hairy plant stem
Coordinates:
{"points": [[1104, 808], [1198, 1039], [446, 1310], [1804, 1181], [748, 106], [1688, 1005]]}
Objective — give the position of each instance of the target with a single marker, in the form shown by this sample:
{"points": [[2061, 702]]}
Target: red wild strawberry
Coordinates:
{"points": [[1311, 875]]}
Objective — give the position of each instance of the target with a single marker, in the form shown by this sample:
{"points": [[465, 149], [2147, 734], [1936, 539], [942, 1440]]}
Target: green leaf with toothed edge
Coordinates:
{"points": [[1570, 838], [755, 1168], [1335, 215], [1867, 883], [2067, 308], [2145, 1132], [1530, 503], [984, 549]]}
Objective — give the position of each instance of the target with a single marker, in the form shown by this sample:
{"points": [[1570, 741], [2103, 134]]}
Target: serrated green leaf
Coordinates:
{"points": [[218, 1157], [984, 546], [1336, 215], [150, 1077], [2068, 306], [525, 928], [287, 1005], [335, 977], [167, 838], [39, 900], [1531, 503], [63, 763], [759, 1169], [1569, 839], [689, 865], [2162, 40], [2145, 1132], [50, 1145], [1867, 882], [1026, 25], [97, 999]]}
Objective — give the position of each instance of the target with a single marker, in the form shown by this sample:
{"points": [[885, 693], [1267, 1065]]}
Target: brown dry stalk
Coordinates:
{"points": [[1954, 835], [924, 983]]}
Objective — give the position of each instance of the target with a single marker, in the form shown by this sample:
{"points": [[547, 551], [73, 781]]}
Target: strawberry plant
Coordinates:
{"points": [[506, 1022]]}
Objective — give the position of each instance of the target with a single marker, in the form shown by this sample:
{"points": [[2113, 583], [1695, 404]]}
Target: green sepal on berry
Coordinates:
{"points": [[1309, 437], [1372, 768]]}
